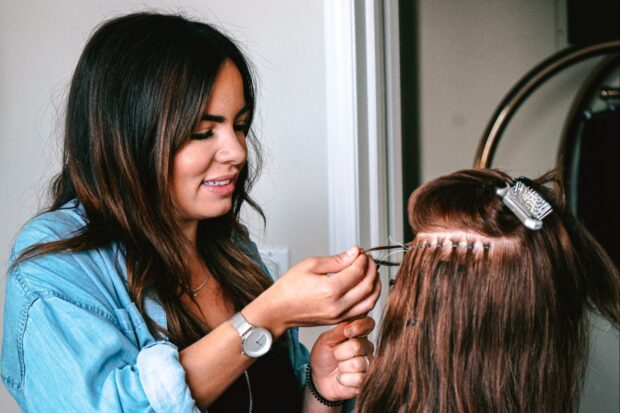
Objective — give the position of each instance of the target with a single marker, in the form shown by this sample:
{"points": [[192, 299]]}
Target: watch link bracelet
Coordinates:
{"points": [[255, 341]]}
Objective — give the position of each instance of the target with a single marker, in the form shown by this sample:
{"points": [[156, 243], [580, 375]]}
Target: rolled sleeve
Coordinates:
{"points": [[299, 356], [163, 378], [78, 359]]}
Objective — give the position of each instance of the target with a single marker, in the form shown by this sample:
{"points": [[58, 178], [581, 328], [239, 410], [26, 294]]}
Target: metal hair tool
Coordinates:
{"points": [[527, 204], [381, 262]]}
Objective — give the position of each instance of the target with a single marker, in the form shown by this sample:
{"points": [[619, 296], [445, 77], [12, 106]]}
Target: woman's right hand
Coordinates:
{"points": [[318, 291]]}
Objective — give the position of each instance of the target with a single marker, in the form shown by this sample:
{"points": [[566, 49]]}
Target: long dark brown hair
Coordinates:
{"points": [[136, 96], [487, 315]]}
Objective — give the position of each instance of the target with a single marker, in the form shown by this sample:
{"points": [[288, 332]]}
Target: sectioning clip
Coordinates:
{"points": [[527, 204]]}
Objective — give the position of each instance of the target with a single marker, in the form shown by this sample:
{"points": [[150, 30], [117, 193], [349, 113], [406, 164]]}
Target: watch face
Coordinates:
{"points": [[257, 342]]}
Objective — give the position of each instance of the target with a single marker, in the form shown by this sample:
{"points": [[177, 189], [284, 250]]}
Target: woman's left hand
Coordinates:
{"points": [[340, 359]]}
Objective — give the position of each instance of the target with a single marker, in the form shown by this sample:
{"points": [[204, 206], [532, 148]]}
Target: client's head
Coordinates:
{"points": [[487, 315]]}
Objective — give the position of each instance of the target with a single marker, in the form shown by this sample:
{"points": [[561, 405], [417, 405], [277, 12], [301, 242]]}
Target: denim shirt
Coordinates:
{"points": [[75, 342]]}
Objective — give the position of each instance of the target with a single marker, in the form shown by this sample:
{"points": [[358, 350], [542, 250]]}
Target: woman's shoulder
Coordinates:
{"points": [[84, 276], [50, 226]]}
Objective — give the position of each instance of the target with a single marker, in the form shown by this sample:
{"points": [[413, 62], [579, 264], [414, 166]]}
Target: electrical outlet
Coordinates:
{"points": [[276, 259]]}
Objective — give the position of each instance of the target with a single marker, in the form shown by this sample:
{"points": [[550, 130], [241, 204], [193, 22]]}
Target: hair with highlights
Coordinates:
{"points": [[137, 95], [487, 315]]}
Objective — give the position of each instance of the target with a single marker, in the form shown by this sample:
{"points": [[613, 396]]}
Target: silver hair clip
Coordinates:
{"points": [[527, 204]]}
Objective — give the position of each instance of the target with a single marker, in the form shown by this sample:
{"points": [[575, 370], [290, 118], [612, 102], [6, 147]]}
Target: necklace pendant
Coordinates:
{"points": [[194, 291]]}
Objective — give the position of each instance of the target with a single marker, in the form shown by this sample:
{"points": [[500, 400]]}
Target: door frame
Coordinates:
{"points": [[363, 126]]}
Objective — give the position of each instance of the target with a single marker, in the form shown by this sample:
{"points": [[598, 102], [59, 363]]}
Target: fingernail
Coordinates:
{"points": [[348, 331], [352, 251]]}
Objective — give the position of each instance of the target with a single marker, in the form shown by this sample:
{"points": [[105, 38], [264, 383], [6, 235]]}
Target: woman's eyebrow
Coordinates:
{"points": [[245, 109], [213, 118], [221, 119]]}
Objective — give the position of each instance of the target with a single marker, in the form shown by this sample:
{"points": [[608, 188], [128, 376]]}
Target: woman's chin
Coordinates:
{"points": [[216, 212]]}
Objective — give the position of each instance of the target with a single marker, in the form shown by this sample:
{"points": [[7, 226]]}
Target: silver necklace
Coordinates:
{"points": [[247, 379], [204, 282]]}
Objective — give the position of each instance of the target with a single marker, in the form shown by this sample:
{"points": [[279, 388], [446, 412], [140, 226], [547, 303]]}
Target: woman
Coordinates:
{"points": [[139, 290], [489, 309]]}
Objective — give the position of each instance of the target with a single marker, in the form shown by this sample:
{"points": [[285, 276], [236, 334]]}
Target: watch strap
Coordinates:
{"points": [[240, 324]]}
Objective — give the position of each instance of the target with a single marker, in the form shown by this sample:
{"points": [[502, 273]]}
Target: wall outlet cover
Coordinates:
{"points": [[276, 259]]}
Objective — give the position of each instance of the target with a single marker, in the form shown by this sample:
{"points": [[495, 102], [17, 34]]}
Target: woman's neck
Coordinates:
{"points": [[189, 228]]}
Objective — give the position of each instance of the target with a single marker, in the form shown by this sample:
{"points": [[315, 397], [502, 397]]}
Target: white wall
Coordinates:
{"points": [[40, 42], [471, 54]]}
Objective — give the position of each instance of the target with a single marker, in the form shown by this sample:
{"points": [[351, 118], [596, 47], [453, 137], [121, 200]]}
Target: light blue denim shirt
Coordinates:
{"points": [[75, 342]]}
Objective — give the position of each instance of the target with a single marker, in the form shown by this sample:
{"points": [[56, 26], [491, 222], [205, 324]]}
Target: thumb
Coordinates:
{"points": [[336, 263], [336, 334]]}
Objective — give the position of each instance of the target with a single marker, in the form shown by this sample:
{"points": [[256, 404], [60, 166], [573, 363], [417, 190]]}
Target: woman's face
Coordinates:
{"points": [[205, 169]]}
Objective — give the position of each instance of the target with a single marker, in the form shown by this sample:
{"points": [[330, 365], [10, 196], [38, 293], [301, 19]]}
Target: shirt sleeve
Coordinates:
{"points": [[299, 356], [76, 359]]}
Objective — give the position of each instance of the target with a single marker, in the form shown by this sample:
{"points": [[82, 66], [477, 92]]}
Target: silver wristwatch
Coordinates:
{"points": [[255, 341]]}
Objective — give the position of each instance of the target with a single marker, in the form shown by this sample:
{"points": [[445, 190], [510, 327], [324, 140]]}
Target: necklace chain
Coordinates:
{"points": [[204, 282], [251, 404]]}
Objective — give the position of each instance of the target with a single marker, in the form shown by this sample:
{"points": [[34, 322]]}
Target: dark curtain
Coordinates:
{"points": [[598, 186]]}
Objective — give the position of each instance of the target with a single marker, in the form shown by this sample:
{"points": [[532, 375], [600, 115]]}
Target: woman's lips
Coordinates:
{"points": [[221, 185]]}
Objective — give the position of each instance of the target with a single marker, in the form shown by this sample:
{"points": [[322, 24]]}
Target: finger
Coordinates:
{"points": [[348, 329], [351, 379], [360, 327], [354, 347], [336, 334], [334, 263], [350, 280], [365, 287], [364, 306], [357, 364]]}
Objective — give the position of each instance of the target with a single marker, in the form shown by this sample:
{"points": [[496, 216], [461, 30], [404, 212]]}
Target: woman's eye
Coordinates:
{"points": [[203, 135]]}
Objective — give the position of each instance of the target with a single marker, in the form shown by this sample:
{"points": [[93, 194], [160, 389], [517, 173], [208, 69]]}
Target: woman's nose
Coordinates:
{"points": [[232, 149]]}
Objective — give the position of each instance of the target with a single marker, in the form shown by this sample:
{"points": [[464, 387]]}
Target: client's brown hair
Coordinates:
{"points": [[487, 315]]}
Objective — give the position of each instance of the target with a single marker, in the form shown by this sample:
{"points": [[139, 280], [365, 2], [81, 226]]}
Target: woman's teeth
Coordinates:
{"points": [[218, 183]]}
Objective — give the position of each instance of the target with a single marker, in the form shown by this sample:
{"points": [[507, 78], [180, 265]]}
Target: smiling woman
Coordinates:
{"points": [[138, 289], [205, 168]]}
